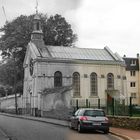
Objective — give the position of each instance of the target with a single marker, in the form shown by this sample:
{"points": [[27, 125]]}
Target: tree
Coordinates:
{"points": [[58, 32], [17, 34], [7, 76], [7, 73]]}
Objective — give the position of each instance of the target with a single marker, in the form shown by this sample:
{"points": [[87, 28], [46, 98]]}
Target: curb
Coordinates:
{"points": [[121, 136], [35, 119]]}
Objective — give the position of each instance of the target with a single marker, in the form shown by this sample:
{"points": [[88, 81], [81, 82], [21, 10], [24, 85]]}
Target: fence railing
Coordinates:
{"points": [[114, 106]]}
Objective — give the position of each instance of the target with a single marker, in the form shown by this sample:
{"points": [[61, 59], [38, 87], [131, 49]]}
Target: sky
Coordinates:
{"points": [[98, 23]]}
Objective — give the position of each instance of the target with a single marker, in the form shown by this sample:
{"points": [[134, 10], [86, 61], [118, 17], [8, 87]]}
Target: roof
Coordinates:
{"points": [[37, 17], [79, 53], [129, 65]]}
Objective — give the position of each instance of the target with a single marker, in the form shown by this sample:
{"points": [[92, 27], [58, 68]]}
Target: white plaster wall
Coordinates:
{"points": [[43, 77], [48, 70]]}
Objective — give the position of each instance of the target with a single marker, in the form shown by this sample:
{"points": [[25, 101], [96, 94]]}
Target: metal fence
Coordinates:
{"points": [[113, 106]]}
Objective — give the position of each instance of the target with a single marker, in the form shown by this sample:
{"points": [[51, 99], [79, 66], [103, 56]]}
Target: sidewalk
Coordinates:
{"points": [[126, 134]]}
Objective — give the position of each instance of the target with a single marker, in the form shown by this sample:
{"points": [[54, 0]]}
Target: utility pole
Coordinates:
{"points": [[4, 14]]}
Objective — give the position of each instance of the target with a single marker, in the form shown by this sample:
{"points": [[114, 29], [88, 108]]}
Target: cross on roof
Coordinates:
{"points": [[36, 7]]}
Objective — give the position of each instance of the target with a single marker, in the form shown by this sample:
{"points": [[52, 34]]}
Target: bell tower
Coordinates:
{"points": [[37, 34]]}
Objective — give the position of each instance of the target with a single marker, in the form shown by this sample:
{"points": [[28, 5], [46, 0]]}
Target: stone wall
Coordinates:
{"points": [[62, 113], [56, 98], [8, 102], [125, 122], [56, 103]]}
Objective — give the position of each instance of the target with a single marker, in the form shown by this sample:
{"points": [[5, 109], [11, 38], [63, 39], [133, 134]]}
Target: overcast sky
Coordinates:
{"points": [[98, 23]]}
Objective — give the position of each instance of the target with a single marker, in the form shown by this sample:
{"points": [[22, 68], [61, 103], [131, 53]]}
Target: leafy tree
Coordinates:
{"points": [[7, 77], [58, 32], [7, 73], [16, 36]]}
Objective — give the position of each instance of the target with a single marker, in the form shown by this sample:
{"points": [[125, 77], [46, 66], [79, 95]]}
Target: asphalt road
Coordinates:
{"points": [[20, 129]]}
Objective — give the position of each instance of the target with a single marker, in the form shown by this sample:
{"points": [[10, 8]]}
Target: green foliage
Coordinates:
{"points": [[17, 34]]}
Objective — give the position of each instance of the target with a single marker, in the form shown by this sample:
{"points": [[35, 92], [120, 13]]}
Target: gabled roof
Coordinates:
{"points": [[31, 52], [79, 53], [45, 52]]}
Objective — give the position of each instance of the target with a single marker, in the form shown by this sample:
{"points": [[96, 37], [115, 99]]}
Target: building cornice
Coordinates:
{"points": [[79, 61]]}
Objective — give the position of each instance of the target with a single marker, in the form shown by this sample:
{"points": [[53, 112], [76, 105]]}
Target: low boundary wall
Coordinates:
{"points": [[125, 122]]}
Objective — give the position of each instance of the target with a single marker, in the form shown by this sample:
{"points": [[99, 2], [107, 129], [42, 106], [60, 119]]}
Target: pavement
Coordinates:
{"points": [[125, 134]]}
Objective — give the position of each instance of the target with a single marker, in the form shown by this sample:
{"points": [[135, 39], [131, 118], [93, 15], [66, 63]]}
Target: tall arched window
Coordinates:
{"points": [[57, 79], [76, 83], [93, 84], [110, 81]]}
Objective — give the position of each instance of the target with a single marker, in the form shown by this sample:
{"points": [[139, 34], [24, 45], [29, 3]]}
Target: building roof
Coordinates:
{"points": [[131, 63], [61, 52]]}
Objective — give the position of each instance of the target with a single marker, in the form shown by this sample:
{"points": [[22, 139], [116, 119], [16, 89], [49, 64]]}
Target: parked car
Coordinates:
{"points": [[89, 119]]}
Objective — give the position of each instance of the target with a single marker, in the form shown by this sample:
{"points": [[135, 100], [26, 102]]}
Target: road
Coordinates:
{"points": [[74, 135], [20, 129]]}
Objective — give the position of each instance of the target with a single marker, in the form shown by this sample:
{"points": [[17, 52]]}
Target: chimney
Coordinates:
{"points": [[138, 55]]}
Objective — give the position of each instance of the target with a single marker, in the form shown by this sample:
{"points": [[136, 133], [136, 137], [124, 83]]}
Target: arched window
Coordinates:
{"points": [[110, 81], [57, 79], [93, 84], [76, 83]]}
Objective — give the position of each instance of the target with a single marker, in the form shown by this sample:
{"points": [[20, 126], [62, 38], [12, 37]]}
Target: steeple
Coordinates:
{"points": [[37, 34]]}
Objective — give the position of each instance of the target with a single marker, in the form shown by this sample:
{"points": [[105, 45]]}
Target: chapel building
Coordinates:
{"points": [[75, 73]]}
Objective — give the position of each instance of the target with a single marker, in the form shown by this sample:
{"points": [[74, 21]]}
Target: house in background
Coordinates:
{"points": [[133, 78], [55, 74]]}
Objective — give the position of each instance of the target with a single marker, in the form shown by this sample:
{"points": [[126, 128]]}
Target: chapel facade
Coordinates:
{"points": [[55, 75]]}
